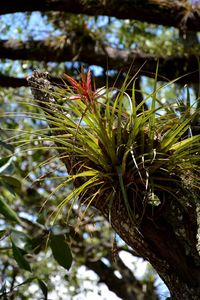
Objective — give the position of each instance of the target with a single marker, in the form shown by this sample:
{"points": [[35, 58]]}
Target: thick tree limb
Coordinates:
{"points": [[93, 53], [165, 12], [100, 81], [14, 82]]}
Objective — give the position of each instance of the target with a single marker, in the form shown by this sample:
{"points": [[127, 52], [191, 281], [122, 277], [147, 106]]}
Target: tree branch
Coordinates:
{"points": [[164, 12], [93, 53], [100, 81], [14, 82], [106, 275]]}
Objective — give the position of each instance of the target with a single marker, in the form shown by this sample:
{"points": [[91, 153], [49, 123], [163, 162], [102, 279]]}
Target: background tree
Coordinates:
{"points": [[109, 40]]}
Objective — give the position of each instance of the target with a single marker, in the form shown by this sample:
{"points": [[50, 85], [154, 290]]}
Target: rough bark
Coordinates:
{"points": [[94, 53], [15, 82], [169, 13], [167, 238], [100, 81]]}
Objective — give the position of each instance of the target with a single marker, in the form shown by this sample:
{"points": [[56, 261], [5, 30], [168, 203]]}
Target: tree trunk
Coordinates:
{"points": [[168, 242]]}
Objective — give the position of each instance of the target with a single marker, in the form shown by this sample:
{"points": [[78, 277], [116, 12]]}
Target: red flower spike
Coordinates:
{"points": [[76, 86], [89, 84], [83, 89], [82, 74]]}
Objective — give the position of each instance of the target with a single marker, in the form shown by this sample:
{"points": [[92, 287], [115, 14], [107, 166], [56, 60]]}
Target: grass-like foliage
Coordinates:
{"points": [[116, 150]]}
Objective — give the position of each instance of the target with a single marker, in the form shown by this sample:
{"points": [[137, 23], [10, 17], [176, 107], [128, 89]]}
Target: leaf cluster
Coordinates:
{"points": [[117, 148]]}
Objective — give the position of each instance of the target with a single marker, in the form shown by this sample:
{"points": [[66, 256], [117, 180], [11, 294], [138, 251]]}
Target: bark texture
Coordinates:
{"points": [[166, 12], [93, 52], [167, 238]]}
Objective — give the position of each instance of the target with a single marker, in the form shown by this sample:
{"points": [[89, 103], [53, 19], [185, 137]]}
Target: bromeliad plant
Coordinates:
{"points": [[139, 167], [115, 150]]}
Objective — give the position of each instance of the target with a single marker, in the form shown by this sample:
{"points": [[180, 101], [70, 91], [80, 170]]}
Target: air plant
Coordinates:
{"points": [[121, 152], [131, 155]]}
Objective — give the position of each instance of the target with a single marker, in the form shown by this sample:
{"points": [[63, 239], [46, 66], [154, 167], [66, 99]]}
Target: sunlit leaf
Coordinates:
{"points": [[8, 212], [5, 163]]}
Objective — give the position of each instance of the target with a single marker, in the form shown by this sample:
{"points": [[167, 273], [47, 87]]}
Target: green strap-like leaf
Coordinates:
{"points": [[124, 194], [43, 287], [18, 256], [8, 212], [61, 251], [12, 181], [7, 146], [5, 163]]}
